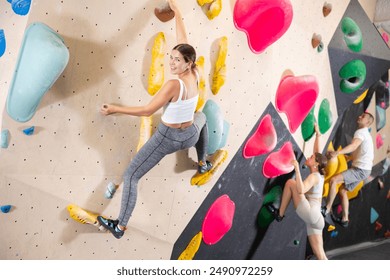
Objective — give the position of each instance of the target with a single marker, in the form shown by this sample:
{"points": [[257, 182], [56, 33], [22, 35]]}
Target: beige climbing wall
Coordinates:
{"points": [[75, 151]]}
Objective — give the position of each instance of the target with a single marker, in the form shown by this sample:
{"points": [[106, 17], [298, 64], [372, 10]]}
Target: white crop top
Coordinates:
{"points": [[180, 111], [316, 190]]}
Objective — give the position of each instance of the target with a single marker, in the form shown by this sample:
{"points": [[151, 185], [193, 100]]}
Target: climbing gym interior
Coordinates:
{"points": [[269, 70]]}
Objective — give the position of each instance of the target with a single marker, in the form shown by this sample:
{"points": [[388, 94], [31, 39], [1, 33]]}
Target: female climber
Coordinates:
{"points": [[306, 196], [180, 127]]}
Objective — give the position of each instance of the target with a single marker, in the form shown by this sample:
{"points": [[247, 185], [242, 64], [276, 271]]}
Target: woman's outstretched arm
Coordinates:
{"points": [[316, 148], [181, 34]]}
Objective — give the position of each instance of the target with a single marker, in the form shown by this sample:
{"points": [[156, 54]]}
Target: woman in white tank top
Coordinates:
{"points": [[306, 196], [180, 127]]}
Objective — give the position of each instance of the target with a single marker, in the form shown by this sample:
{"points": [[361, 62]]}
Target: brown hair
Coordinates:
{"points": [[188, 52], [322, 162], [371, 117]]}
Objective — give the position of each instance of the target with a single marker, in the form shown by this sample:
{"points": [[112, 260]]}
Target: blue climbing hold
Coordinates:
{"points": [[4, 138], [5, 208], [334, 233], [373, 216], [20, 7], [2, 42], [29, 131], [42, 59]]}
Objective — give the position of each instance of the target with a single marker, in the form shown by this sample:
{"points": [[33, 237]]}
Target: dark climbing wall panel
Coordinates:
{"points": [[375, 54], [245, 184]]}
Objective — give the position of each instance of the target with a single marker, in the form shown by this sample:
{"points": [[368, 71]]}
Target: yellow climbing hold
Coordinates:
{"points": [[192, 248], [332, 165], [217, 159], [331, 228], [354, 193], [214, 9], [82, 216], [219, 74], [202, 83], [361, 97], [156, 73], [145, 131], [202, 2]]}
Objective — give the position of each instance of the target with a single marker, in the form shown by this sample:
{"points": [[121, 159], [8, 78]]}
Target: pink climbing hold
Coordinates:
{"points": [[279, 163], [263, 21], [385, 37], [295, 97], [263, 140], [379, 141], [218, 220]]}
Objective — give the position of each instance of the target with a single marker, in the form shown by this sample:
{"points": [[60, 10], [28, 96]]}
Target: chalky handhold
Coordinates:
{"points": [[263, 140], [353, 75], [163, 12], [279, 162], [352, 34], [4, 138], [326, 9], [5, 208]]}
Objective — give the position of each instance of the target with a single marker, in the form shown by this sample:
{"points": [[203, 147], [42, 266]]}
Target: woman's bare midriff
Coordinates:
{"points": [[179, 125]]}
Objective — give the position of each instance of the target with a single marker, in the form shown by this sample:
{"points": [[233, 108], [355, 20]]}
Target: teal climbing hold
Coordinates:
{"points": [[217, 127], [5, 208], [29, 131], [373, 215], [43, 57], [4, 138], [352, 34], [380, 117]]}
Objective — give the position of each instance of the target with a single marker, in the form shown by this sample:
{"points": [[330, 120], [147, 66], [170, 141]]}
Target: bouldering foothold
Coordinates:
{"points": [[379, 141], [201, 83], [320, 47], [296, 242], [263, 21], [380, 115], [263, 140], [387, 234], [334, 233], [2, 42], [331, 228], [353, 75], [361, 97], [219, 71], [4, 138], [110, 191], [29, 131], [378, 226], [296, 96], [352, 34], [156, 71], [216, 160], [42, 58], [192, 247], [265, 218], [82, 216], [326, 9], [279, 162], [373, 215], [215, 125], [218, 220], [20, 7], [164, 13], [5, 208], [315, 40]]}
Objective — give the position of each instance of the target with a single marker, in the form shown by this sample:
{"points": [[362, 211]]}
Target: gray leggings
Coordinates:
{"points": [[164, 141]]}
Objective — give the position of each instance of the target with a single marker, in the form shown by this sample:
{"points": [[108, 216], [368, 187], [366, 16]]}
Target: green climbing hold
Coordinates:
{"points": [[296, 242], [307, 126], [353, 75], [324, 116], [264, 217], [352, 35]]}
